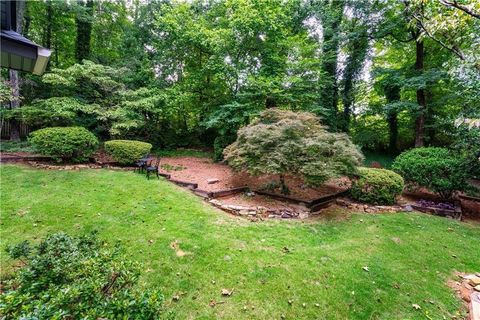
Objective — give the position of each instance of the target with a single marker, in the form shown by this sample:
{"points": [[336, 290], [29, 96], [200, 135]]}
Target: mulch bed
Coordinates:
{"points": [[200, 170]]}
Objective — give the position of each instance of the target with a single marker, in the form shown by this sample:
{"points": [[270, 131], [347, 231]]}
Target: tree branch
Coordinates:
{"points": [[456, 51], [455, 4]]}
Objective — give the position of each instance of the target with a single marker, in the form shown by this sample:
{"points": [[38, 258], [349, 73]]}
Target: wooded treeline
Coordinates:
{"points": [[393, 74]]}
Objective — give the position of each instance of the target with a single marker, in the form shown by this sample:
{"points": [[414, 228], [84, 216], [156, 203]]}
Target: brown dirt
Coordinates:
{"points": [[102, 157], [199, 170], [257, 200]]}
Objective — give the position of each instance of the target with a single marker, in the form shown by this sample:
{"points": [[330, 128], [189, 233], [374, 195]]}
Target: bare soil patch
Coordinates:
{"points": [[203, 170]]}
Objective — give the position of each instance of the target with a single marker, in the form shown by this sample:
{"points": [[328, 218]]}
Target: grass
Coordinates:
{"points": [[16, 146], [409, 256]]}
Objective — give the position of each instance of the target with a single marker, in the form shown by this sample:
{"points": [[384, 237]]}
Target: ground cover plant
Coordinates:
{"points": [[346, 266], [75, 277], [284, 142], [16, 146]]}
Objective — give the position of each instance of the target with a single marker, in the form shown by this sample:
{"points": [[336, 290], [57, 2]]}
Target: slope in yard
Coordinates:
{"points": [[362, 267]]}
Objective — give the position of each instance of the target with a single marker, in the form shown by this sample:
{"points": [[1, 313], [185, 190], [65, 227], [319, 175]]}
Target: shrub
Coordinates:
{"points": [[285, 142], [67, 277], [65, 143], [436, 169], [377, 186], [219, 145], [127, 151]]}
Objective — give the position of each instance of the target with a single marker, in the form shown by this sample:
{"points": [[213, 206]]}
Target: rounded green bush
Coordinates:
{"points": [[127, 151], [377, 186], [65, 143], [436, 169]]}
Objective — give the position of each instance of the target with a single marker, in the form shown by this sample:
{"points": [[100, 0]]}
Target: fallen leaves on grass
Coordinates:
{"points": [[213, 303], [227, 292], [175, 245]]}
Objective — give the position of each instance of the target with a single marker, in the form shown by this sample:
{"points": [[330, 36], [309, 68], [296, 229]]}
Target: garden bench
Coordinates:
{"points": [[153, 166], [142, 163]]}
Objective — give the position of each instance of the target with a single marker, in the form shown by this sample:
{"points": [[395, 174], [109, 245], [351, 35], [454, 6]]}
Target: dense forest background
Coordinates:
{"points": [[393, 74]]}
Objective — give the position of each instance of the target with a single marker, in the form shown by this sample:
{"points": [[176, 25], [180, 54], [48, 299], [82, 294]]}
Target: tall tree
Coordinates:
{"points": [[83, 20], [14, 76], [392, 89], [331, 13], [416, 31], [358, 47]]}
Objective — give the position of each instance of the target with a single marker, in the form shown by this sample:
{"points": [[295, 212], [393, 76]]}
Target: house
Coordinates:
{"points": [[18, 52]]}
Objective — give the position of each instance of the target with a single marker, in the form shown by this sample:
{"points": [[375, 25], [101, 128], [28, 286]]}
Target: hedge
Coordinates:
{"points": [[74, 144], [437, 169], [127, 151], [377, 186]]}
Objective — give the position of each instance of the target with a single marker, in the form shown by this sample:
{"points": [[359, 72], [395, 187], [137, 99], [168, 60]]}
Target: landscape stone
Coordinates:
{"points": [[475, 306], [303, 215], [212, 180], [475, 281]]}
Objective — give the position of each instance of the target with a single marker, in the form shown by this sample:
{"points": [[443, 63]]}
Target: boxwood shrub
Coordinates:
{"points": [[74, 144], [436, 169], [127, 151], [377, 186]]}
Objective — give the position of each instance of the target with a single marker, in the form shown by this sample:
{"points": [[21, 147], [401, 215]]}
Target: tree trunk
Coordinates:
{"points": [[84, 30], [392, 94], [283, 186], [28, 20], [393, 132], [15, 79], [329, 93], [48, 30], [358, 47], [420, 120], [48, 27]]}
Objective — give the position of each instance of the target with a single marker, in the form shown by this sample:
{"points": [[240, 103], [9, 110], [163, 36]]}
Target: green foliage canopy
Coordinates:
{"points": [[285, 142]]}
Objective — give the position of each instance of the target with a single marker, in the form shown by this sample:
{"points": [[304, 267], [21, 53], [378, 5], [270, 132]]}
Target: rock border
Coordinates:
{"points": [[259, 212], [467, 288], [455, 214], [368, 208]]}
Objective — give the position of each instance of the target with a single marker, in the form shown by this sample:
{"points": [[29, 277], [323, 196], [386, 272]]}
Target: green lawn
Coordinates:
{"points": [[409, 256]]}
